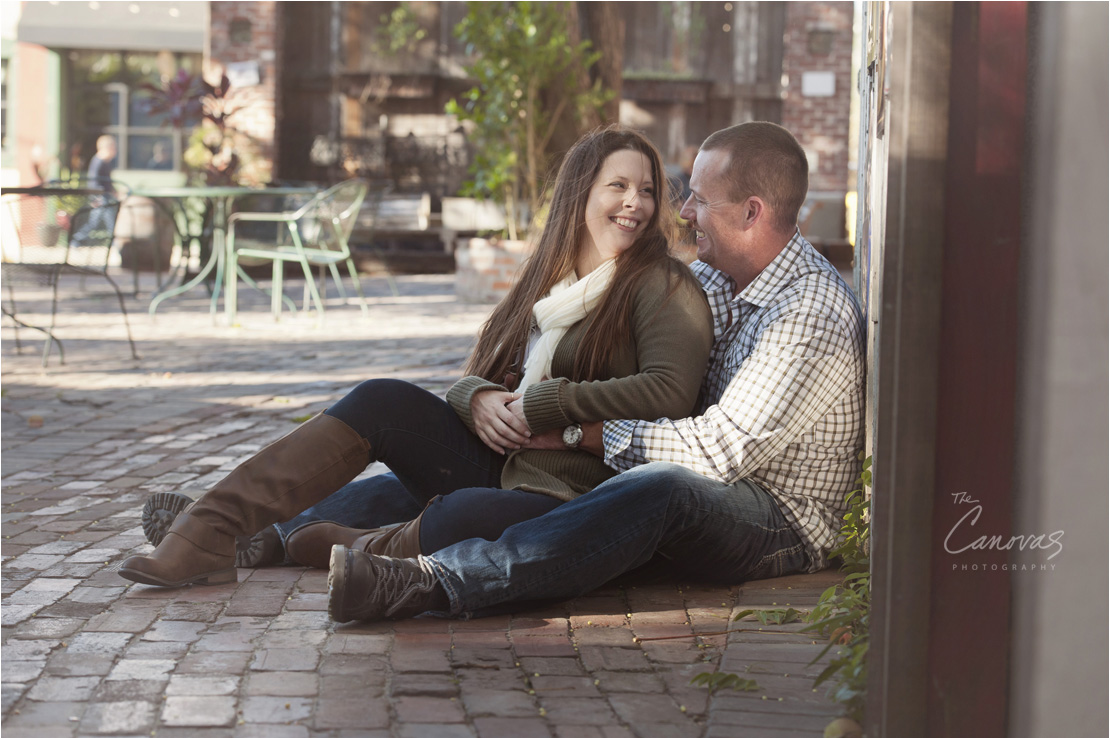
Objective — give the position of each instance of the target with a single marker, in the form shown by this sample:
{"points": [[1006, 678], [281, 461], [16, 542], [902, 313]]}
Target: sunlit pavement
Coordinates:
{"points": [[87, 653]]}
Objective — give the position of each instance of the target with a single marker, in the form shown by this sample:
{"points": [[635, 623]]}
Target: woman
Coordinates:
{"points": [[601, 306]]}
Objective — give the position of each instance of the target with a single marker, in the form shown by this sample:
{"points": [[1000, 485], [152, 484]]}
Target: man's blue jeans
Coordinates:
{"points": [[98, 227], [693, 527]]}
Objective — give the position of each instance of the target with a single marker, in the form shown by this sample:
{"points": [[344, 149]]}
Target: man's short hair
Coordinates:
{"points": [[767, 161]]}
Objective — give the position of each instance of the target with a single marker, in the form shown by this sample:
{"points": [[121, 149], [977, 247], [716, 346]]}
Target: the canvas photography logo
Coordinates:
{"points": [[979, 546]]}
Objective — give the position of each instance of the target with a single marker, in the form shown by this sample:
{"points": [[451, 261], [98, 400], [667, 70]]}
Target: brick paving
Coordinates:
{"points": [[86, 653]]}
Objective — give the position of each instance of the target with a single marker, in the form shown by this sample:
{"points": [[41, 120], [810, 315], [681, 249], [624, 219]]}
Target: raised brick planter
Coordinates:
{"points": [[485, 269]]}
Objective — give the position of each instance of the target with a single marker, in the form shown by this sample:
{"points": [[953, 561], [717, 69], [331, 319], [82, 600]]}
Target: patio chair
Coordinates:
{"points": [[316, 234], [49, 232]]}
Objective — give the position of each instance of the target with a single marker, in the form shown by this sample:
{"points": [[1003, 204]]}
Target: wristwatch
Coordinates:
{"points": [[572, 435]]}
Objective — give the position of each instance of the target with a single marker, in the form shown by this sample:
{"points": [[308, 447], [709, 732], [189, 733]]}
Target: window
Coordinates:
{"points": [[107, 96], [4, 104]]}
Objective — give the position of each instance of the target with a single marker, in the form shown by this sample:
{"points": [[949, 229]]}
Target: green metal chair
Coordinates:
{"points": [[316, 234]]}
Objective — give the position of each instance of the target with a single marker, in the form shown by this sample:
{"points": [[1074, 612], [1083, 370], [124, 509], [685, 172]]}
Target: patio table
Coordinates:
{"points": [[220, 197]]}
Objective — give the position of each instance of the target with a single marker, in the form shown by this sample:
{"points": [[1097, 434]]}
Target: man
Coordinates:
{"points": [[101, 220], [752, 487]]}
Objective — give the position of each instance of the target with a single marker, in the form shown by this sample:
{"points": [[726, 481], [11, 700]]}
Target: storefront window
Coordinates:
{"points": [[4, 104], [107, 96]]}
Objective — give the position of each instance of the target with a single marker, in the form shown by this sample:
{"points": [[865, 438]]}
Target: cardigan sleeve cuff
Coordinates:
{"points": [[543, 406], [463, 391]]}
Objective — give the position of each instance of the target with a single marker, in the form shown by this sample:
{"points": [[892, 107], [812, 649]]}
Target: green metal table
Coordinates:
{"points": [[220, 198]]}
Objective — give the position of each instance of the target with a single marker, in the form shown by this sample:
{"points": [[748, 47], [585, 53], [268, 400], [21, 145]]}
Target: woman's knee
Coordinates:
{"points": [[377, 399], [375, 392]]}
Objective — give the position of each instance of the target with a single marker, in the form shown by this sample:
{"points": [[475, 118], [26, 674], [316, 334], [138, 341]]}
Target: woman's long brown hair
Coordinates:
{"points": [[502, 339]]}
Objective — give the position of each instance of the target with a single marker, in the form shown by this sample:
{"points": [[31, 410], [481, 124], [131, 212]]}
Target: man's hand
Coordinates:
{"points": [[552, 440], [592, 441], [497, 425], [516, 407]]}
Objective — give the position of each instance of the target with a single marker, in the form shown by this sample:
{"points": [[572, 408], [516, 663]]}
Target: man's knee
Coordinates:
{"points": [[658, 480], [663, 474]]}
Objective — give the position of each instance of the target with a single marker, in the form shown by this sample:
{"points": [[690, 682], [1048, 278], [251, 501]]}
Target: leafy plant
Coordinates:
{"points": [[724, 680], [779, 616], [218, 153], [178, 100], [526, 69], [844, 610], [399, 30]]}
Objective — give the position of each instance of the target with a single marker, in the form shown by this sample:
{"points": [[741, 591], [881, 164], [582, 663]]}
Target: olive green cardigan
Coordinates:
{"points": [[656, 375]]}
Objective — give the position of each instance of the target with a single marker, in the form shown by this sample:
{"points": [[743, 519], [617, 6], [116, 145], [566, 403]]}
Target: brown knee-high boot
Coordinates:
{"points": [[277, 483], [310, 544]]}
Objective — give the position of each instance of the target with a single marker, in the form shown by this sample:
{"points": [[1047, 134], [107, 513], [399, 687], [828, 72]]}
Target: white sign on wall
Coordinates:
{"points": [[243, 74], [818, 84]]}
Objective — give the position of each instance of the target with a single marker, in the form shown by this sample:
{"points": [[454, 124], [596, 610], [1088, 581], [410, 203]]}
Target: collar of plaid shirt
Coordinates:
{"points": [[768, 284]]}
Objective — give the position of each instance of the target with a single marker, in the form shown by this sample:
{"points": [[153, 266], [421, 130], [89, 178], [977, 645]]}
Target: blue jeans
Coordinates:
{"points": [[98, 227], [693, 527], [364, 503], [448, 519]]}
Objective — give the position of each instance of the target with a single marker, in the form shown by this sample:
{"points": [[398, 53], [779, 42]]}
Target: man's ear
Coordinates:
{"points": [[754, 211]]}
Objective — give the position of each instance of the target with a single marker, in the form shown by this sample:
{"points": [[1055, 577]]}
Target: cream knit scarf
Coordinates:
{"points": [[569, 300]]}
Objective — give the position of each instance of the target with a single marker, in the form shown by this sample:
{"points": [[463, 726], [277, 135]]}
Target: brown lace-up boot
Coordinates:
{"points": [[278, 482], [367, 587], [310, 544]]}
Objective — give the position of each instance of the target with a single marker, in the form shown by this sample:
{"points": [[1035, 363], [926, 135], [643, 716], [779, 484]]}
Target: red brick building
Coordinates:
{"points": [[320, 97], [817, 67], [319, 100]]}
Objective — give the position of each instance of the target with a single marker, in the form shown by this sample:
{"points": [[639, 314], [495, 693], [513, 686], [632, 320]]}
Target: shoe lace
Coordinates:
{"points": [[399, 581]]}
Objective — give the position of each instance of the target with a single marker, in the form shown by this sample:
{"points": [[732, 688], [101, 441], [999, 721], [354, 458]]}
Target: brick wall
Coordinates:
{"points": [[247, 32], [818, 51]]}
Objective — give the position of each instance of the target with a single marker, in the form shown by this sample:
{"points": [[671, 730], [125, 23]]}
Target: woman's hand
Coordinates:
{"points": [[496, 424]]}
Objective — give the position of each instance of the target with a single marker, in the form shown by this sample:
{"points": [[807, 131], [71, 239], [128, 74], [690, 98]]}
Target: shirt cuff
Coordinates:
{"points": [[616, 438]]}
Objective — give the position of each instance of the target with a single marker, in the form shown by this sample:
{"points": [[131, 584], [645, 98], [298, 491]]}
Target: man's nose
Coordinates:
{"points": [[687, 211]]}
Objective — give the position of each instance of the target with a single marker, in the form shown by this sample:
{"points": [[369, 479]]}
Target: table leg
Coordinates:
{"points": [[219, 247], [228, 269], [205, 270]]}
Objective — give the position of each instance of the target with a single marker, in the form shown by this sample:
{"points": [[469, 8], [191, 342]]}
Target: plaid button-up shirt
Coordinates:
{"points": [[782, 400]]}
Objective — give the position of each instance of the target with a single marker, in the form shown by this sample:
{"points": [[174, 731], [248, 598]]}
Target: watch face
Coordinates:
{"points": [[572, 435]]}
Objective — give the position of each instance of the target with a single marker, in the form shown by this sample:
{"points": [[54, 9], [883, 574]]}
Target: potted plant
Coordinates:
{"points": [[526, 70]]}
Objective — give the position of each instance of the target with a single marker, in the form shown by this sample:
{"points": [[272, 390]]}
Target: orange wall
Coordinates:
{"points": [[32, 125]]}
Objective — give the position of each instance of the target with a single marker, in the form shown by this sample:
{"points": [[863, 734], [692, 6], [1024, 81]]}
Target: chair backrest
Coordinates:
{"points": [[340, 205]]}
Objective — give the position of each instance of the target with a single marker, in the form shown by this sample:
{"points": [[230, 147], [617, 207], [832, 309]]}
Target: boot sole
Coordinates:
{"points": [[337, 579], [257, 551], [222, 576], [159, 512], [162, 508]]}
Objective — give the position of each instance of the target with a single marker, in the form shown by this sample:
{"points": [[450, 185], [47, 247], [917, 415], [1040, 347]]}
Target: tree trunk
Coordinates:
{"points": [[605, 28]]}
